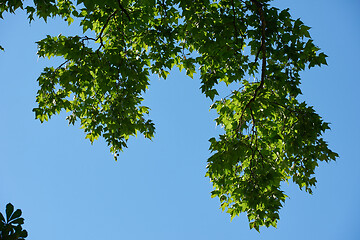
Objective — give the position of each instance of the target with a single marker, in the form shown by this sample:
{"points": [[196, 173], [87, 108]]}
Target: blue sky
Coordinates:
{"points": [[70, 189]]}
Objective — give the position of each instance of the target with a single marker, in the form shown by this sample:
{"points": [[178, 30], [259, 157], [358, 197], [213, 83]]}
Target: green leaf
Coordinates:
{"points": [[15, 215], [18, 221], [9, 211], [2, 219]]}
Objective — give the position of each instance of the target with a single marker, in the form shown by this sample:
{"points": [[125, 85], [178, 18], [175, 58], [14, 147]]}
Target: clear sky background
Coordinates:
{"points": [[70, 189]]}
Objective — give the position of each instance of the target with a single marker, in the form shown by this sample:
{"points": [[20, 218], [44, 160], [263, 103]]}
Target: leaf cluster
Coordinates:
{"points": [[10, 225], [269, 136]]}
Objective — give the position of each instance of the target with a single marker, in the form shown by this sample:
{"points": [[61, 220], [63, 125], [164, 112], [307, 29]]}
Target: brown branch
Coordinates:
{"points": [[257, 54], [60, 66], [124, 10], [234, 19], [263, 38], [283, 106], [86, 38], [103, 29], [236, 30], [256, 136], [259, 7]]}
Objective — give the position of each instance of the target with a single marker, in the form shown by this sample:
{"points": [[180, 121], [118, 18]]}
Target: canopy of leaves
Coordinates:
{"points": [[269, 136]]}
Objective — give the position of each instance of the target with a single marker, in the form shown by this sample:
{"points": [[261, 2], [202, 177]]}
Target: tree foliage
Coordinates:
{"points": [[10, 225], [269, 136]]}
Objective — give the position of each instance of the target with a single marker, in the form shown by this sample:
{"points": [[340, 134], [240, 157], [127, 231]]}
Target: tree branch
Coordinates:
{"points": [[260, 10], [234, 19], [103, 29], [124, 10], [263, 39]]}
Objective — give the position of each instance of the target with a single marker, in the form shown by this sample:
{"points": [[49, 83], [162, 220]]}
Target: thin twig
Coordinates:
{"points": [[278, 104], [124, 10], [263, 49], [234, 19], [257, 54], [61, 65], [103, 29], [263, 37]]}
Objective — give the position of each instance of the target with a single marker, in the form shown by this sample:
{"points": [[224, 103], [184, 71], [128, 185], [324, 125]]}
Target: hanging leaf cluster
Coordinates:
{"points": [[269, 135]]}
